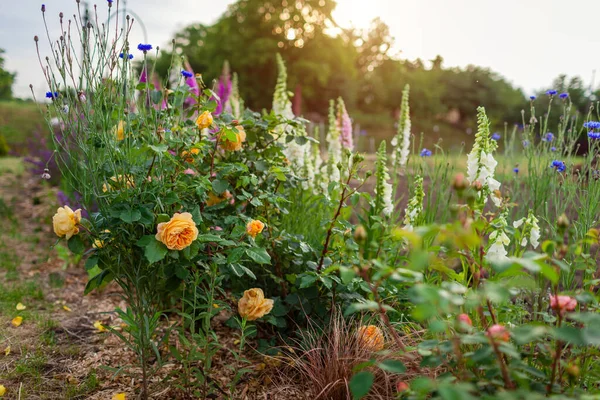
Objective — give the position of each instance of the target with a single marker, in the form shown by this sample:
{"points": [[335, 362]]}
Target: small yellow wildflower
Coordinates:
{"points": [[20, 307], [119, 396], [17, 321], [67, 309], [98, 325], [2, 390]]}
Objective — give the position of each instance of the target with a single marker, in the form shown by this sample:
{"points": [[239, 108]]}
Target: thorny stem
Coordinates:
{"points": [[558, 353], [343, 199], [383, 314], [503, 368]]}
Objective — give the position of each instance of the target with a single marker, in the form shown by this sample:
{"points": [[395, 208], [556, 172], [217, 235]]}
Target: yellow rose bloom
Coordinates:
{"points": [[253, 304], [65, 222], [371, 337], [254, 227], [178, 233], [204, 120], [237, 145], [213, 199], [119, 130]]}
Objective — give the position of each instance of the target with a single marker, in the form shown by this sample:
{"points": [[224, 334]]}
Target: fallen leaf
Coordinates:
{"points": [[67, 309], [119, 396], [98, 325], [17, 321], [21, 307], [7, 350]]}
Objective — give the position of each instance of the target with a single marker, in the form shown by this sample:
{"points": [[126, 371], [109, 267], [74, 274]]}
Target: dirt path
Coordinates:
{"points": [[57, 352]]}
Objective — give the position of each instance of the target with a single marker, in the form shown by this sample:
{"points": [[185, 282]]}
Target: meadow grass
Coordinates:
{"points": [[18, 120]]}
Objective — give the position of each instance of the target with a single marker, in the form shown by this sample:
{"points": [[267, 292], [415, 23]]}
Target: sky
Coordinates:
{"points": [[529, 42]]}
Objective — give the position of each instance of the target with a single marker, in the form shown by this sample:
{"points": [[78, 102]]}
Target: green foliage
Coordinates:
{"points": [[6, 79]]}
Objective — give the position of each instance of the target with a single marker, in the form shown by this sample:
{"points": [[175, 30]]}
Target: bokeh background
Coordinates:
{"points": [[456, 55]]}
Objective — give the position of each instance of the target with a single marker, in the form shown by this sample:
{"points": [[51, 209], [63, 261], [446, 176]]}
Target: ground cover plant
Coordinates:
{"points": [[410, 273]]}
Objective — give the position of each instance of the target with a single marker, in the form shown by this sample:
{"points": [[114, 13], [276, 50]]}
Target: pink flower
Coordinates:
{"points": [[562, 304], [464, 318], [189, 171], [498, 332], [346, 130]]}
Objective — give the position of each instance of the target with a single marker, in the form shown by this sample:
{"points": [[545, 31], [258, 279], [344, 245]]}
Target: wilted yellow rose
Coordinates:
{"points": [[371, 337], [213, 199], [204, 120], [254, 227], [65, 222], [121, 181], [237, 144], [253, 304], [178, 233], [120, 130], [188, 154]]}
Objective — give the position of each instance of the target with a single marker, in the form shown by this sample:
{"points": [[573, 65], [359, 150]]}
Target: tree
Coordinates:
{"points": [[6, 79]]}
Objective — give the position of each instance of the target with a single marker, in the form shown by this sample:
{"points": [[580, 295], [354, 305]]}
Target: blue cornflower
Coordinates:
{"points": [[560, 166], [563, 95], [130, 56], [592, 125], [496, 136], [516, 170], [552, 148], [548, 137], [110, 2], [531, 97], [51, 95], [425, 153], [525, 143], [594, 135], [186, 74], [551, 92], [144, 47]]}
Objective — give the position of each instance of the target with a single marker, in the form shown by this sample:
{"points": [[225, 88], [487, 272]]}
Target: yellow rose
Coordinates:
{"points": [[371, 337], [213, 199], [178, 233], [119, 130], [204, 120], [254, 227], [120, 182], [237, 145], [65, 222], [253, 304]]}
